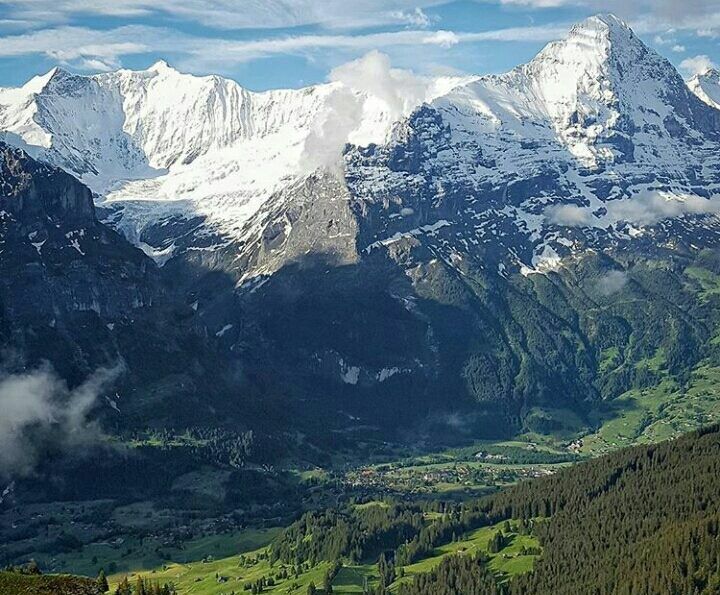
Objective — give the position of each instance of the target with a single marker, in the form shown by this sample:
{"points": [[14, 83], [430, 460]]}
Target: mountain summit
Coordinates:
{"points": [[590, 119], [707, 87]]}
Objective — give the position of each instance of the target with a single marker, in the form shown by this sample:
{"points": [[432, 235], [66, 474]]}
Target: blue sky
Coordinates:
{"points": [[290, 43]]}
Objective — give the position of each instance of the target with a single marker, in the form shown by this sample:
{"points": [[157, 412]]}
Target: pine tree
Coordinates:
{"points": [[102, 581], [496, 543], [123, 588], [32, 567], [327, 584], [140, 587]]}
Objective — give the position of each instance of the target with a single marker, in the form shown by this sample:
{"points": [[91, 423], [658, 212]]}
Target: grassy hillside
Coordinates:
{"points": [[13, 583], [644, 520], [223, 576]]}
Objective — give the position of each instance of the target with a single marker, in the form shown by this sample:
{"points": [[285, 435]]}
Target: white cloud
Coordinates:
{"points": [[91, 49], [647, 16], [96, 65], [330, 132], [535, 33], [647, 208], [539, 3], [669, 40], [66, 44], [651, 15], [247, 50], [570, 216], [40, 414], [611, 282], [86, 48], [231, 14], [399, 91], [696, 65], [415, 18], [444, 39]]}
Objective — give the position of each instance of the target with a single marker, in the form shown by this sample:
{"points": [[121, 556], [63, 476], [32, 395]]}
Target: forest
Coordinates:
{"points": [[644, 520]]}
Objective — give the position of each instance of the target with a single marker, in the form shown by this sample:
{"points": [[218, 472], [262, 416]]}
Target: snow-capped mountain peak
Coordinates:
{"points": [[596, 92], [592, 118], [574, 140], [111, 129], [707, 87], [38, 83], [160, 66]]}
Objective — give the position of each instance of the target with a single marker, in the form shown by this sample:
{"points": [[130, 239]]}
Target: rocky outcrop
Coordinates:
{"points": [[58, 260]]}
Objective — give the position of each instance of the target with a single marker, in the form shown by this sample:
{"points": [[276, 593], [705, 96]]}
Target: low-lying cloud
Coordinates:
{"points": [[611, 282], [400, 90], [330, 131], [646, 208], [41, 415], [571, 216]]}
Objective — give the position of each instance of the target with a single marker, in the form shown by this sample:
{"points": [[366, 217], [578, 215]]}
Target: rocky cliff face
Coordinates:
{"points": [[61, 270], [77, 295]]}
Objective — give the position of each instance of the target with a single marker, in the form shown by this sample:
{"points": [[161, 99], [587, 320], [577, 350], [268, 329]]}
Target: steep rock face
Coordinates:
{"points": [[76, 294], [594, 143], [66, 280], [311, 217], [58, 259]]}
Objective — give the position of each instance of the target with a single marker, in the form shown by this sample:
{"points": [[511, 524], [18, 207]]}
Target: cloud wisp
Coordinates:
{"points": [[697, 65], [92, 49], [611, 282], [647, 208], [196, 33], [41, 415], [229, 14], [276, 14], [369, 78]]}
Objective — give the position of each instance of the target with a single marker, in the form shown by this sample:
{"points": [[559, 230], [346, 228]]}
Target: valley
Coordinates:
{"points": [[121, 535], [549, 537], [465, 342]]}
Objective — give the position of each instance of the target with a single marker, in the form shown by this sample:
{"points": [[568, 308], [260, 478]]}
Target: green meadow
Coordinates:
{"points": [[233, 574]]}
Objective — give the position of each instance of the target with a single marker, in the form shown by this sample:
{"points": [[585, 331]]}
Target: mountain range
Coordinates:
{"points": [[483, 254]]}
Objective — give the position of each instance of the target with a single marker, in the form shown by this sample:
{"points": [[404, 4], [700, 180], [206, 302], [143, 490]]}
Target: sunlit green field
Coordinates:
{"points": [[231, 574], [136, 555]]}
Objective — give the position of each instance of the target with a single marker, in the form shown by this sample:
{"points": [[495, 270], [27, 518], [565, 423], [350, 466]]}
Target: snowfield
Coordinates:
{"points": [[597, 132]]}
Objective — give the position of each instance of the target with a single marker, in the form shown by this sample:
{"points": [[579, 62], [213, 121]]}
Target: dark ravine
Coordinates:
{"points": [[64, 275], [76, 294]]}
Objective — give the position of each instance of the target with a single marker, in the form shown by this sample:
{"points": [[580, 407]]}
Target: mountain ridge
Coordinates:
{"points": [[707, 87], [402, 282], [578, 95]]}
